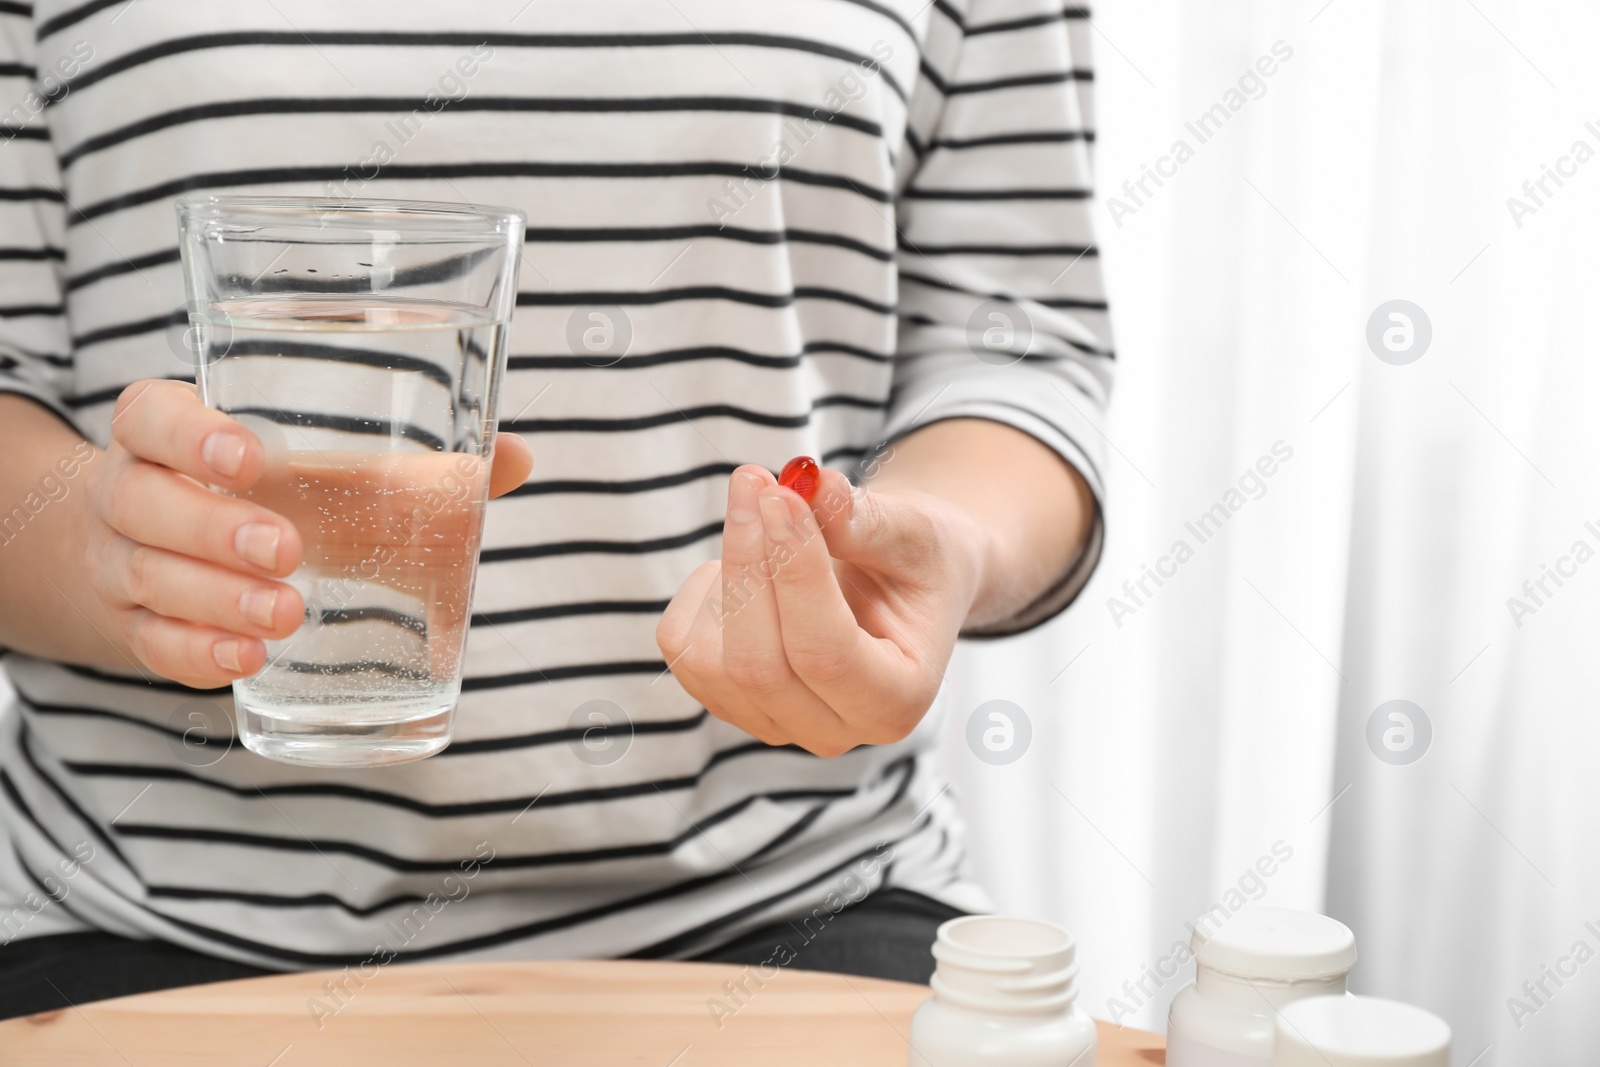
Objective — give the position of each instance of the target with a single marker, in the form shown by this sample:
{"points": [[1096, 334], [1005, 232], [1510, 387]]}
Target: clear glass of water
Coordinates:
{"points": [[364, 343]]}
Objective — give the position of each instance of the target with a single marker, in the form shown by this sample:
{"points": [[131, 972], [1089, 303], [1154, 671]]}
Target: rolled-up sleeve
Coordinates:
{"points": [[1003, 309], [35, 345]]}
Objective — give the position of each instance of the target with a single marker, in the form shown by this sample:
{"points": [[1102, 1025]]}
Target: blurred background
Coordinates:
{"points": [[1176, 743]]}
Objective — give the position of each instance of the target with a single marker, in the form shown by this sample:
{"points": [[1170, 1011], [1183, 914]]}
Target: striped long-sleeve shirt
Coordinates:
{"points": [[817, 224]]}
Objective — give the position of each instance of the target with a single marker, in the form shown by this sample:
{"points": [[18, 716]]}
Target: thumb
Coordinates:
{"points": [[512, 463], [874, 530]]}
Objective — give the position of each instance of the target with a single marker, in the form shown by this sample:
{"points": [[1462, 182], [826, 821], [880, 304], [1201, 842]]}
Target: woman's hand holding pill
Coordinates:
{"points": [[830, 617], [826, 625]]}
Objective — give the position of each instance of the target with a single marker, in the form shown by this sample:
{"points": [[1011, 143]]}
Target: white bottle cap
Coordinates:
{"points": [[1275, 944], [1359, 1032]]}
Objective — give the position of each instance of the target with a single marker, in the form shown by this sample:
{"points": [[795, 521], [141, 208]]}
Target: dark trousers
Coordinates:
{"points": [[888, 935]]}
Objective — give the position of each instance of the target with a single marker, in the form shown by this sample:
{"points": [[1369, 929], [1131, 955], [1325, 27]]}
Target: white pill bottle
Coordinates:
{"points": [[1247, 967], [1359, 1032], [1004, 995]]}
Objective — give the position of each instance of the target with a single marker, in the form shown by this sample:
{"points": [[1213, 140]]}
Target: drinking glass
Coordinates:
{"points": [[363, 342]]}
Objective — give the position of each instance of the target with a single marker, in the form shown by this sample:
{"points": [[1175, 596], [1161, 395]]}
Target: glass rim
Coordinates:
{"points": [[424, 218]]}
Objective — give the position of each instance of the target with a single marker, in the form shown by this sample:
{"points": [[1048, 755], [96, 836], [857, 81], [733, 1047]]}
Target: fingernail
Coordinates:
{"points": [[226, 653], [738, 501], [257, 542], [257, 605], [223, 453], [775, 517]]}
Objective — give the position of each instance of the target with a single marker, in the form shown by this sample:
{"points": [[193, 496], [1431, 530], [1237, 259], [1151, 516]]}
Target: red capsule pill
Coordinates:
{"points": [[802, 475]]}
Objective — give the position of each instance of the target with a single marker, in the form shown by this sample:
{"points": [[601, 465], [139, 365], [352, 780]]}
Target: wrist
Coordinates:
{"points": [[973, 555], [1027, 512], [996, 566], [48, 606]]}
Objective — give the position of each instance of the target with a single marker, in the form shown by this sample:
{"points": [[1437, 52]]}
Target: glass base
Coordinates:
{"points": [[300, 739]]}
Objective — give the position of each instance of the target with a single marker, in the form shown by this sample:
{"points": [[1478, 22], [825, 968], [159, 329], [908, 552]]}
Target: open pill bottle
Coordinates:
{"points": [[1004, 995], [1246, 968], [1359, 1032]]}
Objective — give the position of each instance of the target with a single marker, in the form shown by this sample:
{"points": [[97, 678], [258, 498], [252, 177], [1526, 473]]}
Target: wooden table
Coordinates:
{"points": [[510, 1014]]}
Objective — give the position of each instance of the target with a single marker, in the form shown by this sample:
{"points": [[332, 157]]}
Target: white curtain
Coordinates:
{"points": [[1175, 746]]}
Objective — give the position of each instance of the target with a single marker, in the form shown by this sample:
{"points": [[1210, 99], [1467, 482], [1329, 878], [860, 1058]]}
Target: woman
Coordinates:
{"points": [[855, 229]]}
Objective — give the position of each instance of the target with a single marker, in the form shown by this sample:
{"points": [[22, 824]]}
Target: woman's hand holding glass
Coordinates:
{"points": [[192, 577]]}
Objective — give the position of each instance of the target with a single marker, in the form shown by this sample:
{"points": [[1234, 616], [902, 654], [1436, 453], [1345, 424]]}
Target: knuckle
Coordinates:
{"points": [[759, 727], [757, 672], [786, 568], [895, 724], [774, 737], [143, 642], [171, 650], [667, 639], [101, 481], [96, 560], [123, 498], [141, 579], [824, 664], [718, 711], [739, 589], [701, 662], [218, 529], [672, 637]]}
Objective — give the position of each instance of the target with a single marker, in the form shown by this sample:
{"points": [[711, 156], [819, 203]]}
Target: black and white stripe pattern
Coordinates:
{"points": [[798, 206]]}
